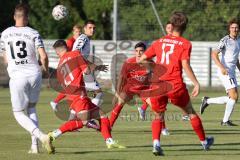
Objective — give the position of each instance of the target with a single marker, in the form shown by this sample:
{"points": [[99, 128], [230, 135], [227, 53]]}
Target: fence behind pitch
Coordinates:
{"points": [[201, 62]]}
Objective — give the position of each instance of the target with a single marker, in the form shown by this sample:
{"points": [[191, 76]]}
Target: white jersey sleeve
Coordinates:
{"points": [[82, 43], [38, 40], [221, 45], [20, 44]]}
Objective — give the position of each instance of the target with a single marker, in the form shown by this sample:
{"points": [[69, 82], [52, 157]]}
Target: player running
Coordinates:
{"points": [[20, 42], [173, 52], [70, 72], [229, 47], [128, 77]]}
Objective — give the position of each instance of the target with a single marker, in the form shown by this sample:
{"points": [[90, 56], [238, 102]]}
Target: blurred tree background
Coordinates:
{"points": [[136, 20]]}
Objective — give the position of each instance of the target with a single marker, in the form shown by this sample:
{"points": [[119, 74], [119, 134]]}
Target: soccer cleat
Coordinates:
{"points": [[204, 104], [228, 123], [141, 113], [47, 144], [185, 118], [92, 124], [157, 151], [114, 144], [210, 141], [165, 132]]}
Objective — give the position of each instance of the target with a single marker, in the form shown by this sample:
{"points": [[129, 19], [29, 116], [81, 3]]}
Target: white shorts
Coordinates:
{"points": [[90, 83], [24, 91], [228, 81]]}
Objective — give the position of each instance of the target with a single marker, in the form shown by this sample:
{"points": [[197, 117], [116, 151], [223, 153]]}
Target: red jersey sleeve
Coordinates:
{"points": [[187, 52], [150, 52], [70, 43]]}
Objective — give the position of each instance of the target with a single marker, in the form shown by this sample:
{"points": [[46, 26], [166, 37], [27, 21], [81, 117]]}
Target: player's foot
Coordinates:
{"points": [[114, 144], [165, 132], [210, 141], [92, 124], [185, 118], [157, 151], [204, 104], [47, 144], [33, 150], [141, 113], [228, 123]]}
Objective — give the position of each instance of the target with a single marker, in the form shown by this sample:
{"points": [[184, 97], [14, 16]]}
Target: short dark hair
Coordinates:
{"points": [[179, 21], [168, 22], [232, 21], [60, 43], [24, 8], [140, 44], [90, 21]]}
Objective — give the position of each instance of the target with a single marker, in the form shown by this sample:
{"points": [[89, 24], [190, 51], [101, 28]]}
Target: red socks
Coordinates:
{"points": [[59, 97], [156, 129], [115, 113], [198, 128], [71, 126], [105, 128]]}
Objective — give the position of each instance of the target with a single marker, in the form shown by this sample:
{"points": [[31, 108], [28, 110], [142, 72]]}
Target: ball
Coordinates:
{"points": [[59, 12]]}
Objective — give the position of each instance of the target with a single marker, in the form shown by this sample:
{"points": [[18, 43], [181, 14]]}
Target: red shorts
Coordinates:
{"points": [[79, 104], [178, 96]]}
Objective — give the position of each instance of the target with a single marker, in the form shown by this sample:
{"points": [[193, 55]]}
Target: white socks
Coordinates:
{"points": [[109, 141], [97, 100], [33, 116], [218, 100], [224, 100], [229, 108], [28, 124], [56, 133], [156, 142]]}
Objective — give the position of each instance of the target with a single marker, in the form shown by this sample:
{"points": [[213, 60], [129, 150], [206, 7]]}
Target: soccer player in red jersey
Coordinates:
{"points": [[134, 80], [173, 51], [138, 77], [76, 33], [70, 72]]}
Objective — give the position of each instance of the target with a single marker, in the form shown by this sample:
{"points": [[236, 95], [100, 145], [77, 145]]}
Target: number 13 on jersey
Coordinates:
{"points": [[166, 54]]}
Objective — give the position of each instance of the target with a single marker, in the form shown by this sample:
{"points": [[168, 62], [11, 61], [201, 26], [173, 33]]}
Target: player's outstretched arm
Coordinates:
{"points": [[43, 59], [188, 70], [218, 63]]}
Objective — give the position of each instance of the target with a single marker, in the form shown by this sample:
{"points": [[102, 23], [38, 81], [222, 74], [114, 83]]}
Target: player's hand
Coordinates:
{"points": [[224, 71], [54, 106], [102, 67], [196, 90]]}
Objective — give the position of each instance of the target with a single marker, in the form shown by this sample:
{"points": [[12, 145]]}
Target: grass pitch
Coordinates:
{"points": [[182, 144]]}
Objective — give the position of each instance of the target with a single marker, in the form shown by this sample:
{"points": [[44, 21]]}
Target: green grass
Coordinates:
{"points": [[182, 144]]}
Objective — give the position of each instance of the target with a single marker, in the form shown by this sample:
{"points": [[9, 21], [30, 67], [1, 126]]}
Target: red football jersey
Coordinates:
{"points": [[133, 73], [70, 42], [170, 51], [70, 74]]}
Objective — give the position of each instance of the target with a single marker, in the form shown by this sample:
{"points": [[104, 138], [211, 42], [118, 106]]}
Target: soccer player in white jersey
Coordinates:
{"points": [[82, 44], [229, 47], [20, 42]]}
